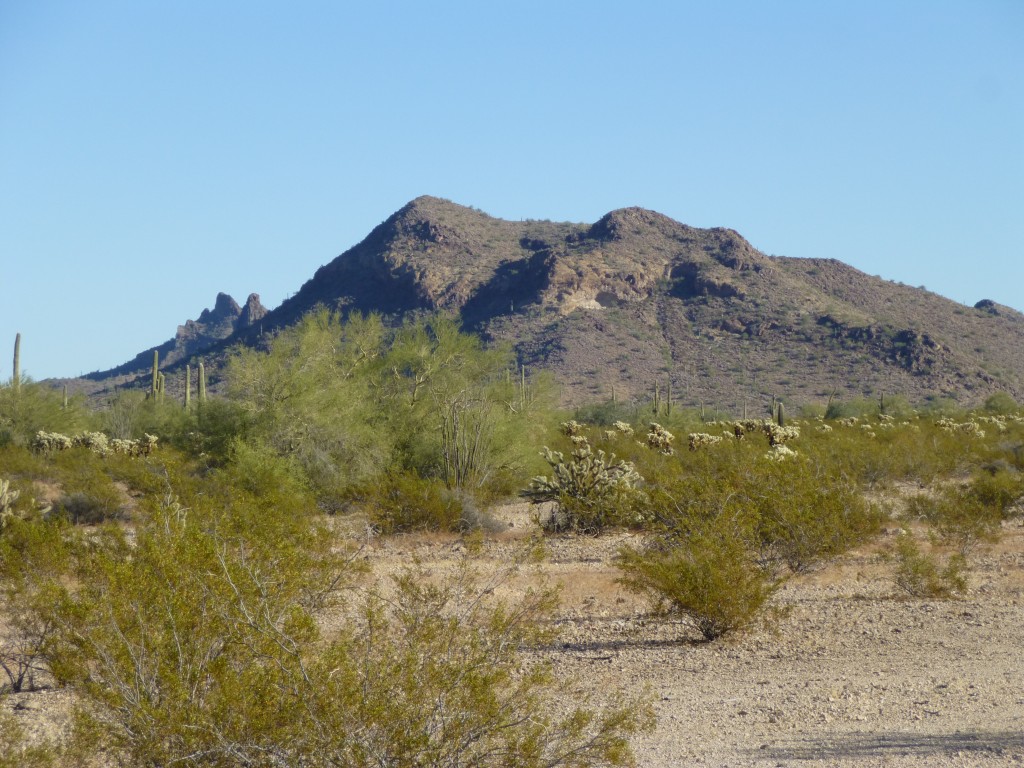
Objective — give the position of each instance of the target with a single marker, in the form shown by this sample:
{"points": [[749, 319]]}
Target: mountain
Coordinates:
{"points": [[195, 337], [637, 298]]}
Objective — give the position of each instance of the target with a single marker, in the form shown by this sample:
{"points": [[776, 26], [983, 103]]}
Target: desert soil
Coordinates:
{"points": [[852, 675]]}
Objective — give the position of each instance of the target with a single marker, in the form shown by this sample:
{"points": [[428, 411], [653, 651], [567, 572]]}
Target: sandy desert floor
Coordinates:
{"points": [[852, 675]]}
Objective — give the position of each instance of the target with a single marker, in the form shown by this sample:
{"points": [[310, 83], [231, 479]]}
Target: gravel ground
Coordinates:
{"points": [[853, 675]]}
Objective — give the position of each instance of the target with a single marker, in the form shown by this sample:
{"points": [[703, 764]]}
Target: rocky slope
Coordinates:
{"points": [[637, 298]]}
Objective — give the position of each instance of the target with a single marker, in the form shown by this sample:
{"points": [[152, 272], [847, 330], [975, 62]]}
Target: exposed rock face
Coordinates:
{"points": [[251, 313]]}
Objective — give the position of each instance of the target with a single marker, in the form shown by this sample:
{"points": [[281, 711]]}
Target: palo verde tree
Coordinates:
{"points": [[353, 400]]}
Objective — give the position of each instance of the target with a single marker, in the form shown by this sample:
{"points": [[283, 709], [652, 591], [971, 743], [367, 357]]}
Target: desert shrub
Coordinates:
{"points": [[180, 643], [403, 502], [708, 577], [839, 409], [804, 516], [590, 491], [936, 406], [796, 513], [35, 556], [1001, 402], [352, 401], [433, 674], [921, 574], [83, 509], [199, 644], [90, 495], [213, 429], [1000, 489], [35, 406], [958, 517], [896, 406], [606, 414]]}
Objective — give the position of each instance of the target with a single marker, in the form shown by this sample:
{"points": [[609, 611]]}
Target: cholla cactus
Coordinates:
{"points": [[571, 428], [588, 478], [996, 421], [7, 498], [578, 440], [48, 442], [97, 442], [780, 453], [126, 447], [623, 428], [850, 421], [702, 440], [825, 428], [971, 428], [743, 426], [660, 439], [780, 435]]}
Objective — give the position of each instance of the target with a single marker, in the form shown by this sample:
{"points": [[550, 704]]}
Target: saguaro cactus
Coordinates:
{"points": [[202, 383], [155, 386], [781, 415], [64, 400], [16, 379], [188, 386]]}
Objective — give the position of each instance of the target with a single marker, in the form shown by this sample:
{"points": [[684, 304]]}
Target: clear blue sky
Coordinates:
{"points": [[153, 154]]}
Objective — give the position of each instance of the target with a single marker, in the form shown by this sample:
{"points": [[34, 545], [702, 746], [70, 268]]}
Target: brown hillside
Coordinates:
{"points": [[637, 298]]}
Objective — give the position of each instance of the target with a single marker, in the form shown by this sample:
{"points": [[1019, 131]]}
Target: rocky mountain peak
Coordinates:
{"points": [[224, 308], [251, 313]]}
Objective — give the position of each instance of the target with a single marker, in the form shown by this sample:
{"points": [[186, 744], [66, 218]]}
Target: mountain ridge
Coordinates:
{"points": [[637, 297]]}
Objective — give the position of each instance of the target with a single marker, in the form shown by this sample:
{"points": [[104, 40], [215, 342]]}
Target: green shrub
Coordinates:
{"points": [[959, 517], [403, 502], [922, 575], [83, 509], [187, 641], [35, 406], [432, 673], [199, 644], [35, 558], [804, 516], [708, 577], [1001, 402], [1001, 490]]}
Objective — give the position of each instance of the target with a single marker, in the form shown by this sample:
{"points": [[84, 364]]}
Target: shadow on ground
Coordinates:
{"points": [[875, 745]]}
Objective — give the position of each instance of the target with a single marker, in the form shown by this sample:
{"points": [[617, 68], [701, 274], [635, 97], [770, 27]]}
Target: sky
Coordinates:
{"points": [[155, 154]]}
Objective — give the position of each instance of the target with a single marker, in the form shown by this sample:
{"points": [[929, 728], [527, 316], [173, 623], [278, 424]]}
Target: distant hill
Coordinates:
{"points": [[637, 298]]}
